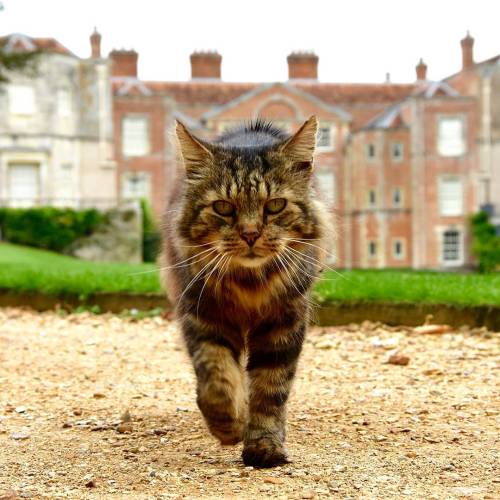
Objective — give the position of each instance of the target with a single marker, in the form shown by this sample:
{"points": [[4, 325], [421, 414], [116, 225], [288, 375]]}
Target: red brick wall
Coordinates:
{"points": [[466, 167], [155, 163]]}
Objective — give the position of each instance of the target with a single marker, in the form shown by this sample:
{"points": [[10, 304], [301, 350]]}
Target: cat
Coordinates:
{"points": [[245, 238]]}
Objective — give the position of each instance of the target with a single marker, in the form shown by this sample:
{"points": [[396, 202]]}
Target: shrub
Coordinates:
{"points": [[485, 243], [47, 227], [151, 238]]}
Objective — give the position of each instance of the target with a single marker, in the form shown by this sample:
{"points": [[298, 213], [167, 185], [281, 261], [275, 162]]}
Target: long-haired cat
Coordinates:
{"points": [[244, 242]]}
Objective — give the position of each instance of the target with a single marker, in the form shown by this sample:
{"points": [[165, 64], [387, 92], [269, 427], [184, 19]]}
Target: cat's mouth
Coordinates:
{"points": [[252, 254], [251, 258]]}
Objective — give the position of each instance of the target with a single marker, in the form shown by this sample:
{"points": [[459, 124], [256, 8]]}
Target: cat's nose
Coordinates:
{"points": [[250, 236]]}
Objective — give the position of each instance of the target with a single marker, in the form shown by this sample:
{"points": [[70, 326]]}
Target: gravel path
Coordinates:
{"points": [[359, 427]]}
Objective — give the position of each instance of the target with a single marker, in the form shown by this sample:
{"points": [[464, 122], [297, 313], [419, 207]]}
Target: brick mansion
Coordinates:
{"points": [[403, 166]]}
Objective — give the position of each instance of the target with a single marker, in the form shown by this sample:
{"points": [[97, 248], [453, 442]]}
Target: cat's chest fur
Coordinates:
{"points": [[256, 297]]}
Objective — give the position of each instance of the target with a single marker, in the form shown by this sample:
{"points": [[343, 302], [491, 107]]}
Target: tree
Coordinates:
{"points": [[24, 61]]}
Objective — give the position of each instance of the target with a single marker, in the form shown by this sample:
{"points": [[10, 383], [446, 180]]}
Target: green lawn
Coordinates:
{"points": [[23, 268], [411, 286]]}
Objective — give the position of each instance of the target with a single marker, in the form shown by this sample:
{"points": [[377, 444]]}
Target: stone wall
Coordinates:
{"points": [[119, 239]]}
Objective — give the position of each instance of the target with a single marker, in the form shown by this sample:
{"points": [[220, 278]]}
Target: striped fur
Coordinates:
{"points": [[241, 280]]}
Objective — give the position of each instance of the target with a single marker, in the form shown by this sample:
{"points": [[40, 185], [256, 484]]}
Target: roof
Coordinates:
{"points": [[430, 89], [219, 92], [352, 93], [479, 65], [341, 113], [390, 118], [17, 41], [201, 91], [359, 102]]}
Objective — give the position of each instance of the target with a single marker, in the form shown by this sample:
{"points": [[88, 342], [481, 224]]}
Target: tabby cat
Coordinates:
{"points": [[244, 242]]}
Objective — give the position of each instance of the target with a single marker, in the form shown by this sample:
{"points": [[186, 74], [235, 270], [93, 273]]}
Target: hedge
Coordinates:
{"points": [[151, 241], [47, 227], [485, 243]]}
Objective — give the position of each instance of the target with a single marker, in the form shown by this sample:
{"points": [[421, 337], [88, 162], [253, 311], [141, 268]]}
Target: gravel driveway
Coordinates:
{"points": [[103, 407]]}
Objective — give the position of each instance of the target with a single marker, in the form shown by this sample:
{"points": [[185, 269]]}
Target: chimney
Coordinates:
{"points": [[302, 65], [467, 44], [124, 63], [206, 65], [95, 44], [421, 69]]}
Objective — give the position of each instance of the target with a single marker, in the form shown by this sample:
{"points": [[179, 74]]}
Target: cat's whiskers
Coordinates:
{"points": [[197, 276], [306, 242], [184, 263], [221, 258], [307, 299], [300, 263], [201, 245], [313, 261], [296, 268], [222, 270]]}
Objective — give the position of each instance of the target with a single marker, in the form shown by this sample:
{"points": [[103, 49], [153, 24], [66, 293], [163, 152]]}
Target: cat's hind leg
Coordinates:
{"points": [[220, 387]]}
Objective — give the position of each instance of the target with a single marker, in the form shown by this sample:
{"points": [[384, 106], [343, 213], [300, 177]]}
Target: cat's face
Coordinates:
{"points": [[248, 203]]}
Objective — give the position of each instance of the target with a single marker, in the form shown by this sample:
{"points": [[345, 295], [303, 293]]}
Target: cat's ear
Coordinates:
{"points": [[300, 147], [195, 154]]}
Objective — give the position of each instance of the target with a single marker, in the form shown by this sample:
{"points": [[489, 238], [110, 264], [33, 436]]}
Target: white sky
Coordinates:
{"points": [[356, 40]]}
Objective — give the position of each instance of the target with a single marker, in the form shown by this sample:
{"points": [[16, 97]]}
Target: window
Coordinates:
{"points": [[64, 102], [450, 196], [398, 249], [372, 249], [397, 151], [326, 137], [135, 136], [136, 185], [370, 151], [23, 184], [451, 137], [21, 100], [326, 183], [452, 247], [397, 197], [372, 198]]}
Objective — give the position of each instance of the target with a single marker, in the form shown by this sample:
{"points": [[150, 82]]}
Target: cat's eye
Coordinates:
{"points": [[275, 206], [224, 208]]}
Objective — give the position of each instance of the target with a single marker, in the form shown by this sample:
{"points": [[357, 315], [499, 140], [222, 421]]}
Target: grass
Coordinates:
{"points": [[23, 269], [411, 287]]}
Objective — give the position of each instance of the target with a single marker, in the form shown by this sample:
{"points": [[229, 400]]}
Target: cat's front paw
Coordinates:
{"points": [[265, 451]]}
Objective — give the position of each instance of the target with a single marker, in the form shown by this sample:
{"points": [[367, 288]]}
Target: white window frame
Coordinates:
{"points": [[330, 195], [332, 131], [126, 176], [397, 159], [402, 242], [459, 261], [444, 149], [133, 151], [22, 99], [24, 202], [444, 211]]}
